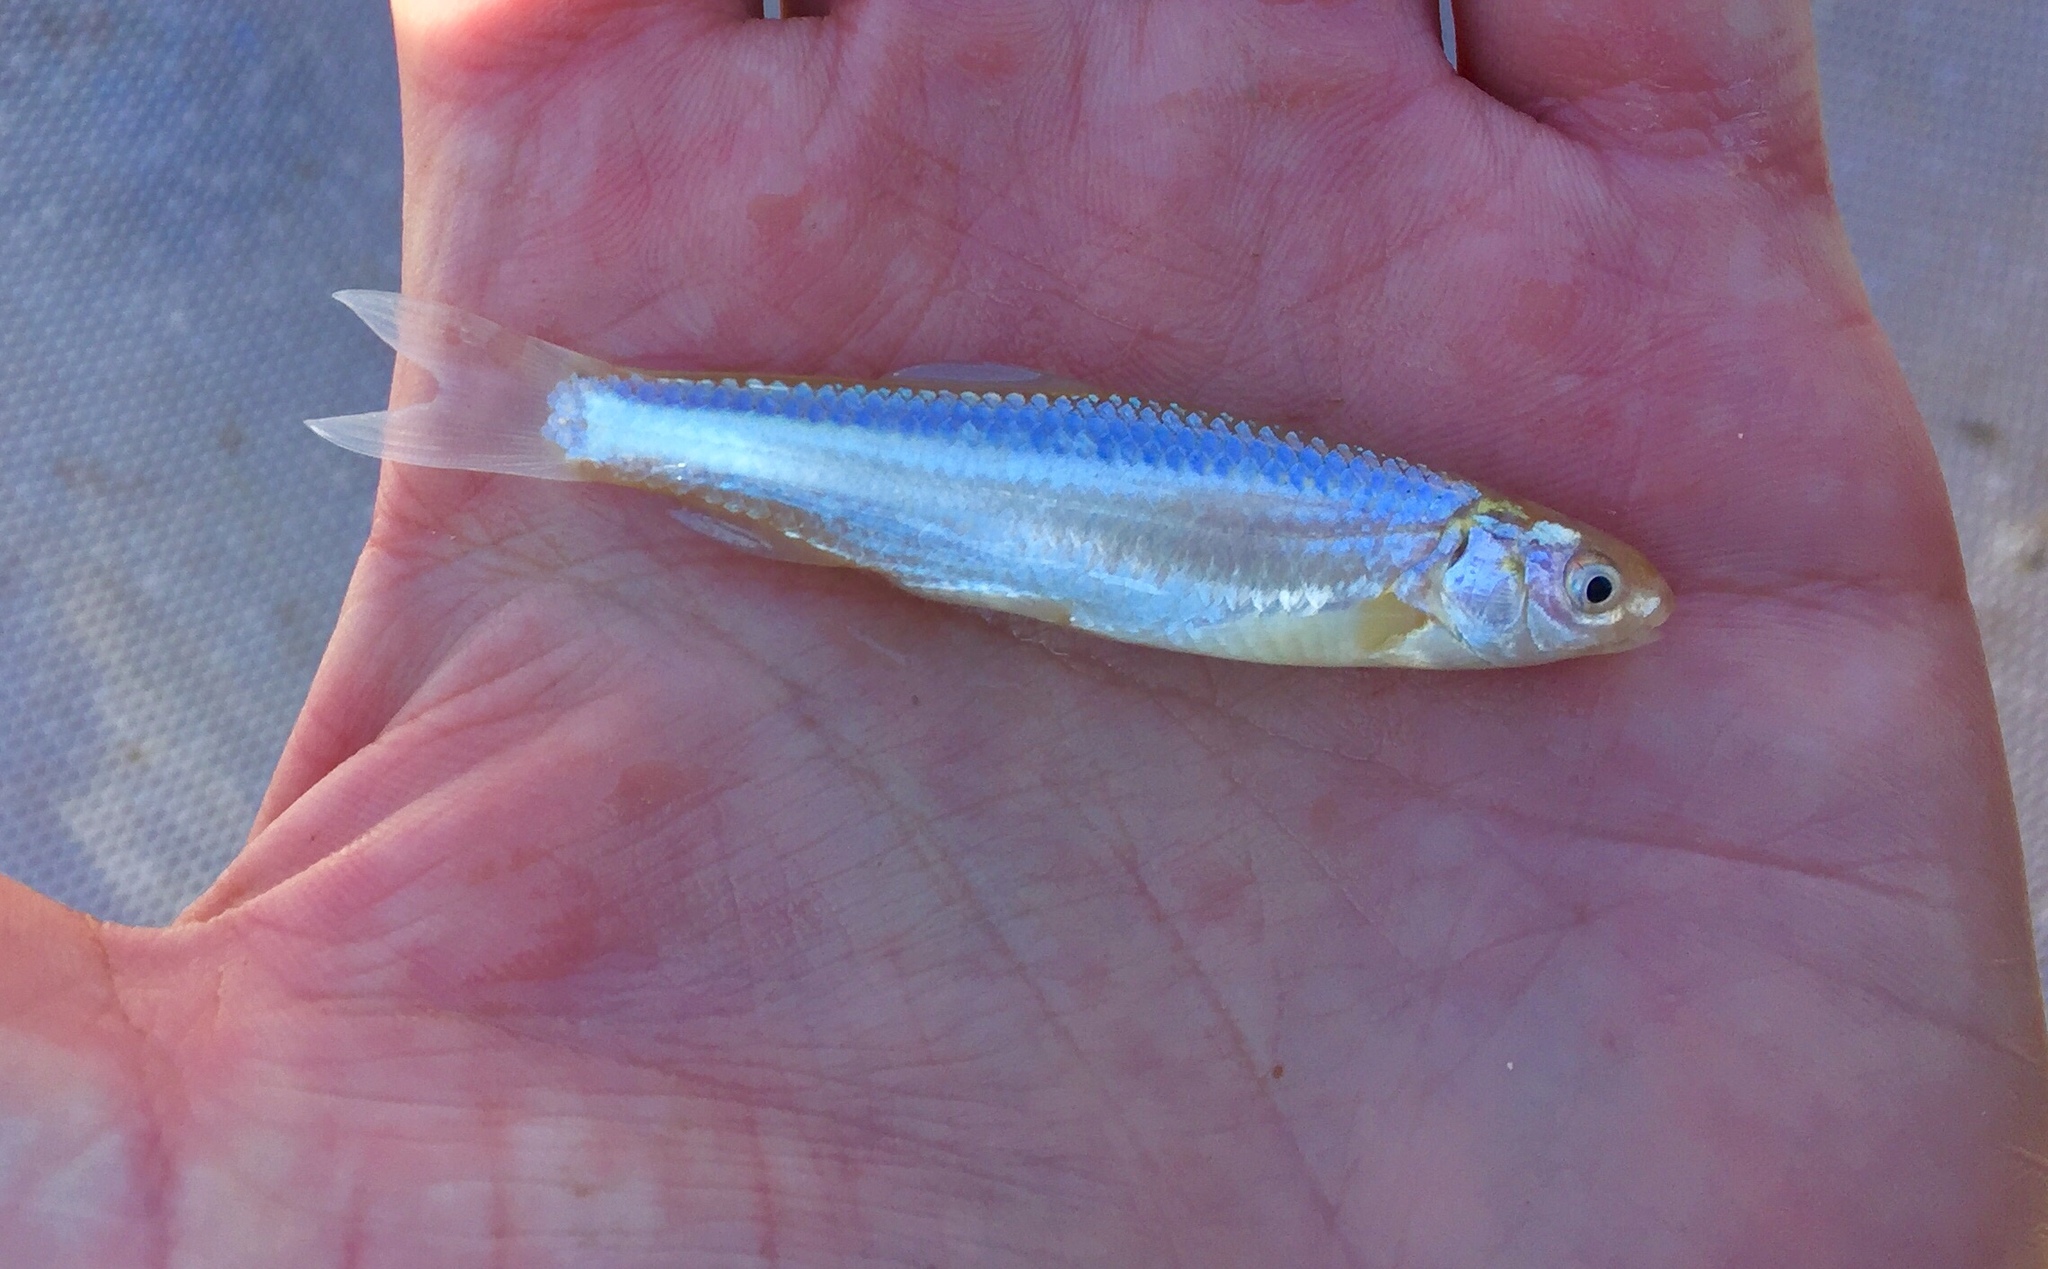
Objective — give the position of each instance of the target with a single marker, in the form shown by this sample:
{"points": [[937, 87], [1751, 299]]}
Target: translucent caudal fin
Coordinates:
{"points": [[491, 397]]}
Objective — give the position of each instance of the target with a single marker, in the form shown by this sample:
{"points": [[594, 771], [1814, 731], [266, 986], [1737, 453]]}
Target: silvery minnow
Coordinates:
{"points": [[1002, 488]]}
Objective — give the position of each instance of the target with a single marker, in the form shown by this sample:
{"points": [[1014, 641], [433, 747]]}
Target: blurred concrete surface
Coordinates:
{"points": [[1937, 118], [183, 181]]}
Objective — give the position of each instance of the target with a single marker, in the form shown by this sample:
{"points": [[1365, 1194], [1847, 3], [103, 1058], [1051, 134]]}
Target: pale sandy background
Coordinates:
{"points": [[183, 181]]}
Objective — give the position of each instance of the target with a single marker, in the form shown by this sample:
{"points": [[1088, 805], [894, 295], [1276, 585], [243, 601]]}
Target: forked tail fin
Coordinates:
{"points": [[492, 396]]}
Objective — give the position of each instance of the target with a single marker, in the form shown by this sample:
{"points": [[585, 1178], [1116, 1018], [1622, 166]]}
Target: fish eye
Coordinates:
{"points": [[1595, 586]]}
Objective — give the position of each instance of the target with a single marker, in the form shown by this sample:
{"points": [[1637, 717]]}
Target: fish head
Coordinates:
{"points": [[1523, 585]]}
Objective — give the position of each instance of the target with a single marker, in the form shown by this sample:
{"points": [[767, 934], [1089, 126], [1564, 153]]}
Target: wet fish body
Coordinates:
{"points": [[999, 488]]}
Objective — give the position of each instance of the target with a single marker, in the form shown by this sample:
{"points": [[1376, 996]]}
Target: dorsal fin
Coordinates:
{"points": [[988, 376]]}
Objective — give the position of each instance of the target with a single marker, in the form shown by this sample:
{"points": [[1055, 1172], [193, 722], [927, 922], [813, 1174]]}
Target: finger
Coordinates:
{"points": [[532, 22], [1278, 54], [1731, 78]]}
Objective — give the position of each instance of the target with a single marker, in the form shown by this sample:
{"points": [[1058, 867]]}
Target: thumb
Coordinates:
{"points": [[83, 1164]]}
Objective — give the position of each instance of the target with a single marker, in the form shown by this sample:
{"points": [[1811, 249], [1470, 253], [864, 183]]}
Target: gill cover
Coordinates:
{"points": [[1482, 595]]}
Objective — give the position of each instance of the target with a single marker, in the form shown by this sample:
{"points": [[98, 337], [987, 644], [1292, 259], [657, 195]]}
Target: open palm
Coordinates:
{"points": [[625, 900]]}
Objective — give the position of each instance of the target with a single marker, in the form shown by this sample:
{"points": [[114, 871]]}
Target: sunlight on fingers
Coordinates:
{"points": [[424, 16]]}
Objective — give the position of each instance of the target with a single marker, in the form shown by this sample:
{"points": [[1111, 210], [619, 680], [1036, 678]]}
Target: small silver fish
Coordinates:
{"points": [[1001, 488]]}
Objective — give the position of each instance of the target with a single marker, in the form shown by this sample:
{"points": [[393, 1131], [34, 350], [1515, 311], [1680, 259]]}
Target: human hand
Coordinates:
{"points": [[622, 900]]}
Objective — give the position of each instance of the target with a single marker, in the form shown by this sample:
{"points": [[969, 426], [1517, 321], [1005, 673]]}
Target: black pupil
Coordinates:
{"points": [[1599, 589]]}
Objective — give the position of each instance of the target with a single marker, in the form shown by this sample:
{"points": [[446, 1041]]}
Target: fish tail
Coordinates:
{"points": [[491, 399]]}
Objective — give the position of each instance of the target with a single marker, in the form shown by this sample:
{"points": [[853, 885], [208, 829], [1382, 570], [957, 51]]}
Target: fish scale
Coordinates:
{"points": [[1278, 529], [1118, 428]]}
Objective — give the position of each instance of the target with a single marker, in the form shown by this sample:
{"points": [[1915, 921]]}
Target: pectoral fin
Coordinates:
{"points": [[1370, 632], [1384, 622]]}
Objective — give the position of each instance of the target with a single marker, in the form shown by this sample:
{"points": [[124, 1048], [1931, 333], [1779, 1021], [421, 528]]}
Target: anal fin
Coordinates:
{"points": [[756, 535], [1035, 607]]}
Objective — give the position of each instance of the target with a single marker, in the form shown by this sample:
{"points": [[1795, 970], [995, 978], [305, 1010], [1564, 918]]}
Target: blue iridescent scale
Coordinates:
{"points": [[1131, 518], [1109, 432]]}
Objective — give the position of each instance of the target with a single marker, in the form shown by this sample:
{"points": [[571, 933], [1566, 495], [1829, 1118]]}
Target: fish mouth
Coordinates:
{"points": [[1654, 606], [1648, 609]]}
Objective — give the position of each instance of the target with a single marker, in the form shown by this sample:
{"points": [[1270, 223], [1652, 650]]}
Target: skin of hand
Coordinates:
{"points": [[622, 900]]}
